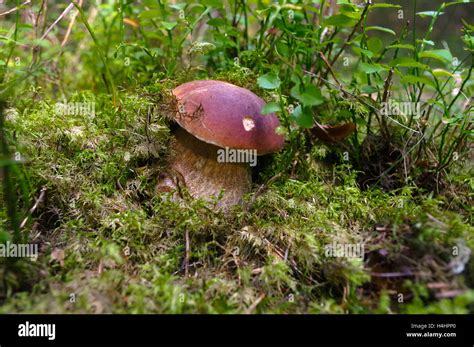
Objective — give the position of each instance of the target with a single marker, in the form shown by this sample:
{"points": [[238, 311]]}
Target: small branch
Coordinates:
{"points": [[15, 8], [323, 57], [261, 190], [69, 28], [386, 86], [187, 254], [386, 89], [392, 274], [34, 207], [255, 304], [449, 294], [61, 16]]}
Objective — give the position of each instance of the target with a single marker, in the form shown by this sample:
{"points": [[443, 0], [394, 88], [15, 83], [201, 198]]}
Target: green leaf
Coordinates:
{"points": [[310, 96], [385, 30], [426, 42], [375, 44], [402, 46], [150, 3], [282, 48], [212, 3], [350, 8], [7, 162], [411, 79], [467, 25], [216, 22], [429, 14], [269, 81], [408, 62], [41, 43], [303, 119], [454, 119], [359, 51], [350, 11], [179, 6], [168, 25], [468, 40], [442, 73], [149, 14], [271, 107], [439, 54], [457, 2], [371, 68], [311, 8], [369, 89], [384, 6], [4, 237], [340, 20]]}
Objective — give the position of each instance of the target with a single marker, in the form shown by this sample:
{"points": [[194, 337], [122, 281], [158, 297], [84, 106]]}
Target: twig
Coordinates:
{"points": [[398, 274], [392, 274], [187, 254], [261, 189], [147, 124], [449, 294], [331, 70], [71, 24], [15, 8], [255, 304], [65, 12], [386, 89], [34, 207]]}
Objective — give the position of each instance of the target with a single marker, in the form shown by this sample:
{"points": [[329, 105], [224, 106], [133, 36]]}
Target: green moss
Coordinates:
{"points": [[124, 243]]}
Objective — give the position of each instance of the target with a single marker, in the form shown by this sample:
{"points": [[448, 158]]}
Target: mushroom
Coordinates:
{"points": [[221, 130]]}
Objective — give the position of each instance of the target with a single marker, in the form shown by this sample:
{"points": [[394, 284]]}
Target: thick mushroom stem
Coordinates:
{"points": [[204, 177]]}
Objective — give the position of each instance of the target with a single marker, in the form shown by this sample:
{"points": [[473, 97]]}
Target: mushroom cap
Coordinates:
{"points": [[225, 115]]}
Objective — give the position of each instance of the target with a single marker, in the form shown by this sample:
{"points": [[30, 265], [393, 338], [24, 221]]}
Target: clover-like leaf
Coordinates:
{"points": [[269, 81]]}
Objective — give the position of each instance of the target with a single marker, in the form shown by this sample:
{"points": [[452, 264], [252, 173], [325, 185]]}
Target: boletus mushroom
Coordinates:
{"points": [[221, 131]]}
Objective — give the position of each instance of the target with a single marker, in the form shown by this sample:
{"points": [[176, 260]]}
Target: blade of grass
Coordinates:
{"points": [[99, 51]]}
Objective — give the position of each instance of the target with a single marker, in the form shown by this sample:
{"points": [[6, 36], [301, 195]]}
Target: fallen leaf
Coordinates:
{"points": [[332, 133]]}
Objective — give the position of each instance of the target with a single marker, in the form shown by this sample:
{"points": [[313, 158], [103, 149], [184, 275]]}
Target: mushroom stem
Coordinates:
{"points": [[204, 177]]}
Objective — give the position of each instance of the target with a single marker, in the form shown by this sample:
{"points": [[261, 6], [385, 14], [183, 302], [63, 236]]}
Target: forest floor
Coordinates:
{"points": [[109, 242]]}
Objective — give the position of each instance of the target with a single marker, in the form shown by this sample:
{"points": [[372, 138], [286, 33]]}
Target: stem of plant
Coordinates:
{"points": [[99, 51]]}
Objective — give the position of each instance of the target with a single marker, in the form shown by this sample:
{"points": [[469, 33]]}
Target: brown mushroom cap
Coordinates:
{"points": [[225, 115]]}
